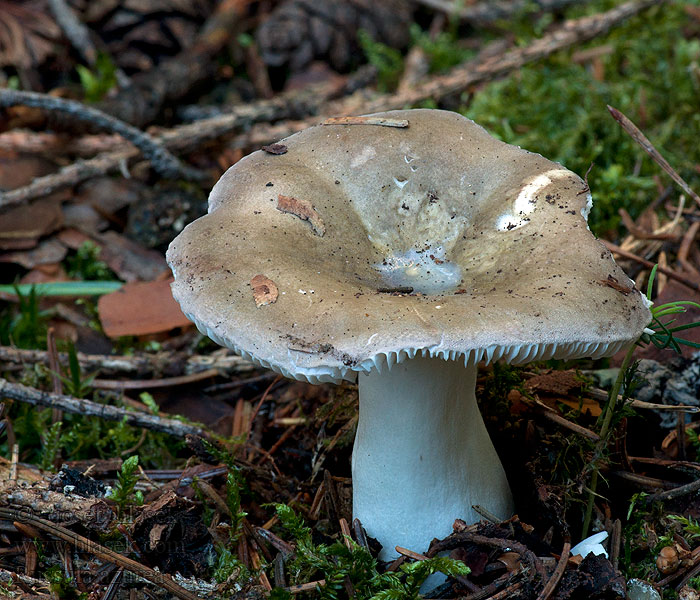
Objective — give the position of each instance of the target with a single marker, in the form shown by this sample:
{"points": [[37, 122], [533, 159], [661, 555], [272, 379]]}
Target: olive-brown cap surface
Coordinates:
{"points": [[363, 245]]}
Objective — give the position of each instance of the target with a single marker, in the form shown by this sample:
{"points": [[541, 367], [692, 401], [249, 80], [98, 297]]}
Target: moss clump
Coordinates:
{"points": [[648, 68]]}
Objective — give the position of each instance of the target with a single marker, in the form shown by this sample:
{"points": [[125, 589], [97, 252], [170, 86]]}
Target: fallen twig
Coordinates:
{"points": [[507, 593], [46, 143], [554, 416], [102, 552], [306, 587], [636, 134], [602, 396], [142, 364], [558, 572], [677, 492], [73, 29], [80, 406], [665, 462], [145, 384], [644, 480], [24, 581], [686, 244], [615, 543], [490, 591], [671, 273], [458, 539], [483, 13], [163, 161], [472, 73], [410, 553]]}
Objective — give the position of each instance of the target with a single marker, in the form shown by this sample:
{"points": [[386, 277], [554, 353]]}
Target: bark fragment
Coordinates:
{"points": [[302, 209], [264, 290]]}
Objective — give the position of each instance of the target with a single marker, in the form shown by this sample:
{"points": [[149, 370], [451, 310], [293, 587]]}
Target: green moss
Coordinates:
{"points": [[558, 109]]}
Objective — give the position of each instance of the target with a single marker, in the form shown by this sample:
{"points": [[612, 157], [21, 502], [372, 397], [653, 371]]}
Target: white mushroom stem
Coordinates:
{"points": [[422, 455]]}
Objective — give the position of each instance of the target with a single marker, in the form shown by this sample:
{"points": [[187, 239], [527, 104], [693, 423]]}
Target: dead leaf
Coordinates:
{"points": [[585, 405], [47, 252], [83, 217], [72, 238], [511, 560], [129, 260], [264, 290], [366, 121], [139, 309], [302, 209], [21, 227], [109, 194], [45, 274], [19, 169], [562, 387], [318, 73]]}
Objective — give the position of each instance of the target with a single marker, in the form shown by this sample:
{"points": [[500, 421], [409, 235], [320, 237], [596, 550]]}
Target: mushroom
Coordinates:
{"points": [[398, 250]]}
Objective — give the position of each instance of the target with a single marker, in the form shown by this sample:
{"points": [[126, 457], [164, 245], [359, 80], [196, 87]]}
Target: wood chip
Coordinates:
{"points": [[21, 227], [302, 209], [366, 121], [47, 252], [264, 290], [140, 309], [275, 149], [129, 260]]}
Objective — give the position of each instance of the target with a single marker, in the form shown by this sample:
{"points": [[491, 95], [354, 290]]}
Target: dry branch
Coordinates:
{"points": [[182, 138], [457, 80], [572, 32], [456, 540], [165, 163], [648, 264], [76, 32], [636, 134], [142, 364], [24, 141], [551, 585], [79, 406], [484, 13]]}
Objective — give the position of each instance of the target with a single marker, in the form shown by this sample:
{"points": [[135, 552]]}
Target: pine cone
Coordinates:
{"points": [[299, 31], [141, 33], [28, 35]]}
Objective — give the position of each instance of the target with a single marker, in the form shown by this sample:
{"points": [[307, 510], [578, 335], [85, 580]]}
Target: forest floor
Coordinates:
{"points": [[138, 459]]}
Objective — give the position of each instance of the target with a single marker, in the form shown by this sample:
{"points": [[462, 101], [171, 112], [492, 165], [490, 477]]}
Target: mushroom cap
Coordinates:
{"points": [[363, 245]]}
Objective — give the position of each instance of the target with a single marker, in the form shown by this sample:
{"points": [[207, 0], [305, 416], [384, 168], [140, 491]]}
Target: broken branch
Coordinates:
{"points": [[163, 161], [636, 134], [80, 406]]}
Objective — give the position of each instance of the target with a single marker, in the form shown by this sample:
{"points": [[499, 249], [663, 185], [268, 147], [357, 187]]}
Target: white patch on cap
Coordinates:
{"points": [[526, 200]]}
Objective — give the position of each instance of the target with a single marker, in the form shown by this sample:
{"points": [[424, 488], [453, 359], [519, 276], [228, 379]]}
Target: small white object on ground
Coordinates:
{"points": [[591, 545]]}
